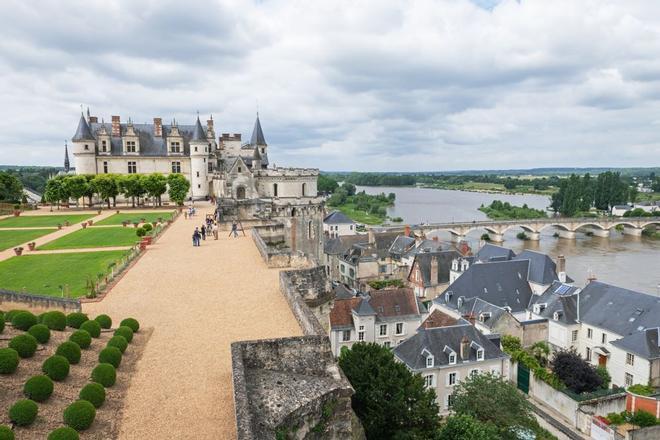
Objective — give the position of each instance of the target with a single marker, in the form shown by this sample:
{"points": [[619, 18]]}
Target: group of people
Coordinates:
{"points": [[210, 228]]}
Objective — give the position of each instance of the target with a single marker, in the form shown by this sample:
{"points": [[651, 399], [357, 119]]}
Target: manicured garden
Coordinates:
{"points": [[94, 238], [139, 217], [38, 221], [64, 374], [47, 274], [13, 237]]}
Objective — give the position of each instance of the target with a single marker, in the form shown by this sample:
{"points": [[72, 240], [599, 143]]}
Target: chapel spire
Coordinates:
{"points": [[258, 134]]}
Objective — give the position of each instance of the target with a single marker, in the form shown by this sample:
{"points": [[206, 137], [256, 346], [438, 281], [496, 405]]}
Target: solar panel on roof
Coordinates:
{"points": [[562, 289]]}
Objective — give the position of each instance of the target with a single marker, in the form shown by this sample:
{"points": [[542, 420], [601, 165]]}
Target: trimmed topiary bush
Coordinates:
{"points": [[23, 320], [6, 433], [110, 355], [118, 341], [104, 321], [23, 412], [126, 332], [82, 338], [75, 319], [70, 350], [25, 345], [105, 374], [54, 320], [80, 415], [8, 360], [92, 327], [10, 314], [40, 333], [132, 323], [94, 393], [64, 433], [56, 367], [38, 388]]}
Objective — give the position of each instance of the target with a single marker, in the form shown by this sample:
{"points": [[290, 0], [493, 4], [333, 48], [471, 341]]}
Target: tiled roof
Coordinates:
{"points": [[341, 314], [438, 319], [394, 302]]}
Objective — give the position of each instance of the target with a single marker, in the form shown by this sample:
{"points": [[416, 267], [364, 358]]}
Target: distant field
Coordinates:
{"points": [[493, 187], [360, 216], [9, 239], [131, 217], [45, 274], [94, 237], [34, 221]]}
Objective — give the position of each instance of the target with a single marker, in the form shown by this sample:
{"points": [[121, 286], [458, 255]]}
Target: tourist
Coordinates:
{"points": [[234, 229], [185, 214], [203, 230], [214, 227], [195, 237]]}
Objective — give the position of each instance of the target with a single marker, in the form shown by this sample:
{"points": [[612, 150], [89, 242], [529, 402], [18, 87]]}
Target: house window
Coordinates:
{"points": [[105, 167], [351, 272], [590, 333], [346, 335], [382, 331], [104, 146], [429, 361], [480, 354], [387, 344], [175, 147], [451, 378], [452, 358], [382, 269], [574, 335], [629, 379], [342, 268], [630, 359], [474, 372], [428, 380], [588, 354], [176, 167], [132, 167], [603, 338], [360, 336], [450, 400], [130, 146], [399, 328]]}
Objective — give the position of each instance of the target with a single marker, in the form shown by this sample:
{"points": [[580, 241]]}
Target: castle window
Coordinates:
{"points": [[274, 189], [175, 147], [197, 173], [240, 192], [304, 186], [132, 167], [105, 167], [263, 150], [240, 170], [104, 146], [204, 160], [130, 146], [310, 232], [86, 147], [176, 167], [199, 185], [195, 149]]}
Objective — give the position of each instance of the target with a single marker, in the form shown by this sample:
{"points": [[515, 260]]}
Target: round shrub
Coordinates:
{"points": [[54, 320], [105, 374], [79, 415], [94, 393], [76, 319], [110, 355], [64, 433], [23, 412], [38, 388], [8, 360], [6, 433], [56, 367], [23, 320], [25, 345], [147, 227], [82, 338], [118, 341], [133, 324], [40, 317], [126, 332], [10, 314], [92, 327], [40, 333], [104, 321], [70, 350]]}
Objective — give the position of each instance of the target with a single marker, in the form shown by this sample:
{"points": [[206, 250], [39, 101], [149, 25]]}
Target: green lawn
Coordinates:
{"points": [[35, 221], [359, 216], [117, 219], [14, 237], [45, 274], [94, 237]]}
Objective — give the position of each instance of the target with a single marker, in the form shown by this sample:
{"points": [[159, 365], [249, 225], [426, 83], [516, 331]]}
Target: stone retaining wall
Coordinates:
{"points": [[36, 303], [308, 322]]}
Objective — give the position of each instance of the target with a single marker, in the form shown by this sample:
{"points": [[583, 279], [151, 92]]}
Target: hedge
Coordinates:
{"points": [[118, 341], [10, 314], [38, 388], [64, 433], [92, 327], [23, 320], [110, 355], [82, 338], [23, 412], [132, 323], [76, 319], [94, 393], [56, 367], [8, 360], [80, 415], [126, 332], [40, 333], [70, 350], [54, 320], [24, 344], [105, 374], [6, 433], [104, 321]]}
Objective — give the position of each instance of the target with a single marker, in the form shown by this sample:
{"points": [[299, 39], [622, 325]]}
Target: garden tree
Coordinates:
{"points": [[610, 190], [338, 198], [655, 186], [390, 401], [105, 185], [76, 186], [132, 187], [326, 184], [349, 188], [465, 427], [540, 350], [178, 187], [492, 400], [156, 185], [578, 375], [55, 191], [89, 192], [11, 189]]}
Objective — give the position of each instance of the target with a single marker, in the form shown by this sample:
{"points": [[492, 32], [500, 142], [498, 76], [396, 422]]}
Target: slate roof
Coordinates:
{"points": [[337, 218], [401, 245], [542, 270], [83, 132], [198, 132], [257, 134], [365, 251], [444, 259], [434, 341], [341, 244], [644, 343], [490, 252], [558, 297], [342, 292], [385, 304], [430, 246]]}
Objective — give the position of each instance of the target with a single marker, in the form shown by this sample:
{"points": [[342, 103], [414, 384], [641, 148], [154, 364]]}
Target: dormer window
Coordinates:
{"points": [[557, 315], [130, 147], [429, 361], [175, 147], [459, 303], [480, 354], [452, 358], [484, 316], [240, 170], [448, 296], [540, 307], [104, 146], [454, 265]]}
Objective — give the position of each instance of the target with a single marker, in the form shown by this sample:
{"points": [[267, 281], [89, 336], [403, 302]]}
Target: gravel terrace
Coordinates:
{"points": [[199, 301]]}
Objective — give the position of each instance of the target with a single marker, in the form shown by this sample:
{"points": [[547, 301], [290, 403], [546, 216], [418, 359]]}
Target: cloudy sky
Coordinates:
{"points": [[345, 84]]}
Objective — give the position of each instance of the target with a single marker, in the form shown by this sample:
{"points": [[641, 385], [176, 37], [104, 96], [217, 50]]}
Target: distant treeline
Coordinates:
{"points": [[634, 171], [578, 194], [33, 178]]}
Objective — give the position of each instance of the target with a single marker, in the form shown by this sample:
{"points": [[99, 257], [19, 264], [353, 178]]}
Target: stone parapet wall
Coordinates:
{"points": [[36, 303], [308, 322]]}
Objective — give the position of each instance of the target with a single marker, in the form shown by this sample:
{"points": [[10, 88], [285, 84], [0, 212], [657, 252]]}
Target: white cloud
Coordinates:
{"points": [[405, 85]]}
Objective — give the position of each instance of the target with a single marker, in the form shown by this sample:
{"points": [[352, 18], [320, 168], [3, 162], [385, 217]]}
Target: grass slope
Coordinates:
{"points": [[35, 221], [131, 217], [359, 216], [94, 237], [15, 237], [44, 274]]}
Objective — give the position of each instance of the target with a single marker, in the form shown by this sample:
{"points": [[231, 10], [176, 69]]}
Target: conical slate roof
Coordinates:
{"points": [[257, 134], [198, 132], [83, 133], [67, 164]]}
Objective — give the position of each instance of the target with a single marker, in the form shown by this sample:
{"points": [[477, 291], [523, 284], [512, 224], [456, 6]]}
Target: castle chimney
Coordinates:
{"points": [[561, 268], [93, 119], [158, 127], [434, 270], [372, 236], [116, 128], [209, 124], [465, 348], [407, 231]]}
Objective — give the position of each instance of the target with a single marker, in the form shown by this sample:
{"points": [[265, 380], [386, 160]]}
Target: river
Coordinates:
{"points": [[623, 260]]}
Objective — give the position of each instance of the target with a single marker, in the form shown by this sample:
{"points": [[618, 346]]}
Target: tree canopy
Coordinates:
{"points": [[178, 187], [577, 374], [11, 189]]}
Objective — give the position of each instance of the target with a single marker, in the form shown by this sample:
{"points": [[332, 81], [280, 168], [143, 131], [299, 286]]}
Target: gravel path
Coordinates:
{"points": [[199, 301]]}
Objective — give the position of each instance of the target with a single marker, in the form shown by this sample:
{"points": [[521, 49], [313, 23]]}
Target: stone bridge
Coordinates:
{"points": [[566, 226]]}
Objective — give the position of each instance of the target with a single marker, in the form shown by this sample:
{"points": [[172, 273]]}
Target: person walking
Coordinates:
{"points": [[215, 230], [195, 237], [234, 229], [203, 231]]}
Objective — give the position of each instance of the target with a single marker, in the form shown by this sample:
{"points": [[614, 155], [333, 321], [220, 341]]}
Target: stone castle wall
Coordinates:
{"points": [[36, 303]]}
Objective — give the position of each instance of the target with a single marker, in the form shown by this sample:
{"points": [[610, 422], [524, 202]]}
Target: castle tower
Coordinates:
{"points": [[258, 140], [199, 146], [256, 159], [84, 148]]}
